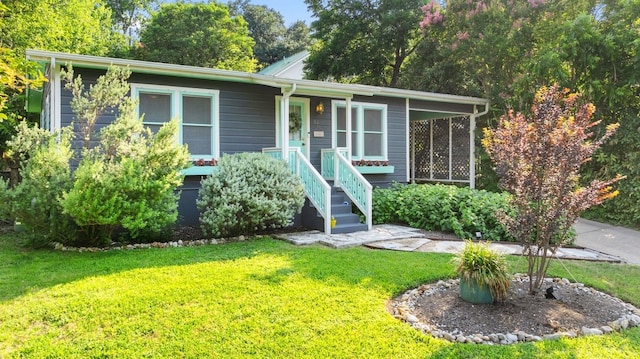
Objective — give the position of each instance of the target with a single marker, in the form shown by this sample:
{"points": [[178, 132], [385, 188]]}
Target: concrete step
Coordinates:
{"points": [[348, 228]]}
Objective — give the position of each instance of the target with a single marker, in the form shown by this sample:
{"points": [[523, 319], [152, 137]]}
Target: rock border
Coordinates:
{"points": [[403, 306], [170, 244]]}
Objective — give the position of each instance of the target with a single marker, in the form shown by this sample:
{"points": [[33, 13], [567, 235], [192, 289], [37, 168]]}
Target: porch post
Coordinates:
{"points": [[348, 120], [472, 157], [284, 123]]}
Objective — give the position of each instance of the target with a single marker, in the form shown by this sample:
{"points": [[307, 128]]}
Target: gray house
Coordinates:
{"points": [[341, 139]]}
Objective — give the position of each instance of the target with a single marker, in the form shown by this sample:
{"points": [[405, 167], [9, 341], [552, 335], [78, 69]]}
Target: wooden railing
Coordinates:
{"points": [[335, 166]]}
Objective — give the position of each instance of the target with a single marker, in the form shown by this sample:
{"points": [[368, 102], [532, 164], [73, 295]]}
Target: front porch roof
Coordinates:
{"points": [[303, 87]]}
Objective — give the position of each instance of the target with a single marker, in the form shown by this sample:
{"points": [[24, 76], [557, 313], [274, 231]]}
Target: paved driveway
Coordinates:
{"points": [[618, 241]]}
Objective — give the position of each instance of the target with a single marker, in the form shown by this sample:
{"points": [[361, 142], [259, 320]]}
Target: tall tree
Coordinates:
{"points": [[128, 15], [364, 41], [273, 40], [198, 35], [75, 26]]}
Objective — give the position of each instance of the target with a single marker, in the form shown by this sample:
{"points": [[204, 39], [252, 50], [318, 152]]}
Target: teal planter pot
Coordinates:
{"points": [[472, 292]]}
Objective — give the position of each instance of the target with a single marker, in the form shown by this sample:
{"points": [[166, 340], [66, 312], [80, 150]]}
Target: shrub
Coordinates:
{"points": [[129, 181], [45, 175], [461, 210], [248, 193]]}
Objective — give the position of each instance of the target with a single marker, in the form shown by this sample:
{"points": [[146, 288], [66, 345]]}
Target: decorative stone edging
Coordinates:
{"points": [[171, 244], [404, 305]]}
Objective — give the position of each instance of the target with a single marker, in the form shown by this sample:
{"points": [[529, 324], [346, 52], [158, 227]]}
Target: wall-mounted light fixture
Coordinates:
{"points": [[320, 108]]}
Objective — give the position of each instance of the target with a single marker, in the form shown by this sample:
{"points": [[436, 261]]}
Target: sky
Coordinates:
{"points": [[291, 10]]}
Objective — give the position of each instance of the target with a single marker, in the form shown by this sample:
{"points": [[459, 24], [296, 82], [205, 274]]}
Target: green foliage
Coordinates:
{"points": [[478, 262], [75, 26], [248, 193], [199, 35], [104, 95], [273, 40], [128, 181], [362, 41], [45, 176], [128, 14], [539, 160], [447, 208]]}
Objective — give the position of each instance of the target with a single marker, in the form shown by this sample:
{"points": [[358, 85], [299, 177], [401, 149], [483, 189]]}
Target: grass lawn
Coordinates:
{"points": [[259, 298]]}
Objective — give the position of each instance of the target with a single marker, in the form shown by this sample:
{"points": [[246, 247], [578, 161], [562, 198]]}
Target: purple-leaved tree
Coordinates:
{"points": [[538, 159]]}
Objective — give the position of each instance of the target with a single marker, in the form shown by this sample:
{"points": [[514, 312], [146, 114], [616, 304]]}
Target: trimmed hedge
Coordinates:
{"points": [[460, 210]]}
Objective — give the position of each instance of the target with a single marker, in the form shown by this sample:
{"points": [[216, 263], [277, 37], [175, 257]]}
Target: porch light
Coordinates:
{"points": [[320, 108]]}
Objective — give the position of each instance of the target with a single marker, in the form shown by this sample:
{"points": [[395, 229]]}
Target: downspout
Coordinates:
{"points": [[472, 143], [284, 123]]}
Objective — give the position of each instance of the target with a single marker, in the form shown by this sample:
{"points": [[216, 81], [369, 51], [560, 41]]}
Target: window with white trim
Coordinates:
{"points": [[368, 129], [197, 110]]}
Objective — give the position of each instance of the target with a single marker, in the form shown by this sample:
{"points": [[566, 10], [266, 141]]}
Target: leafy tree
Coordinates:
{"points": [[539, 160], [128, 15], [75, 26], [273, 40], [16, 75], [363, 41], [199, 35]]}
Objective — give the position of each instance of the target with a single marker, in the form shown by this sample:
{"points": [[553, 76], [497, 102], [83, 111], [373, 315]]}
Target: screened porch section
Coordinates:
{"points": [[441, 150]]}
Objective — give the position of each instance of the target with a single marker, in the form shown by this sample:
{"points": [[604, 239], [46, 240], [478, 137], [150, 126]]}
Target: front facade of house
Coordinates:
{"points": [[224, 112]]}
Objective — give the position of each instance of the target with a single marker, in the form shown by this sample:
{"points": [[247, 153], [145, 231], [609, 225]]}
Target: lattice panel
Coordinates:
{"points": [[420, 142], [460, 148], [431, 160], [440, 148]]}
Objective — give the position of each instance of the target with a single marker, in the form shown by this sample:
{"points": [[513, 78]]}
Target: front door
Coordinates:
{"points": [[298, 124]]}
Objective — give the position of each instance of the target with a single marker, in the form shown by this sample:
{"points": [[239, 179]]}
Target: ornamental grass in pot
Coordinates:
{"points": [[483, 273]]}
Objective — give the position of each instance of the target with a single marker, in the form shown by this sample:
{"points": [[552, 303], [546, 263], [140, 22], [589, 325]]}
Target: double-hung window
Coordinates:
{"points": [[368, 129], [196, 109]]}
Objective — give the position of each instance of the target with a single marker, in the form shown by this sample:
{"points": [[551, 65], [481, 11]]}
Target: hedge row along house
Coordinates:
{"points": [[341, 139]]}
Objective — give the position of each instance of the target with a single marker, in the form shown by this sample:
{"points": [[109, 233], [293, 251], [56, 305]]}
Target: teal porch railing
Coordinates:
{"points": [[315, 187], [335, 166]]}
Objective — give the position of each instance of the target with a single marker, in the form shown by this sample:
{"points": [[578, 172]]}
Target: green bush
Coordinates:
{"points": [[45, 175], [248, 193], [461, 210], [128, 182]]}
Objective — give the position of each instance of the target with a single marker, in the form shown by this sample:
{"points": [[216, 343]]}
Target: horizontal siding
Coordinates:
{"points": [[433, 106]]}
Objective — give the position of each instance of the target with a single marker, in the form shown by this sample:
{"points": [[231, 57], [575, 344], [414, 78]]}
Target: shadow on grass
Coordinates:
{"points": [[24, 270]]}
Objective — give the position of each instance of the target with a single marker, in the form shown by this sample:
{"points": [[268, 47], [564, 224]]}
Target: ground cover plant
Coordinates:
{"points": [[256, 298]]}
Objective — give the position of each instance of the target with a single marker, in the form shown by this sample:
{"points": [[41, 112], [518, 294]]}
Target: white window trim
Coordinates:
{"points": [[358, 153], [176, 111]]}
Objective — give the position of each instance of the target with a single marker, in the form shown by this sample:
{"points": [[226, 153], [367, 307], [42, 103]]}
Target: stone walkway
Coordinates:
{"points": [[400, 238]]}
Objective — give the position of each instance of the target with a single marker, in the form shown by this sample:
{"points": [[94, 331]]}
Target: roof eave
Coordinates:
{"points": [[309, 87]]}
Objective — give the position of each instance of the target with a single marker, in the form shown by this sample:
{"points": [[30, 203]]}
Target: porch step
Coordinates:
{"points": [[341, 211]]}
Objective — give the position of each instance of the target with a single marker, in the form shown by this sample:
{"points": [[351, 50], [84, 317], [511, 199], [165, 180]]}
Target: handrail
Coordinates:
{"points": [[328, 162], [354, 185], [315, 187]]}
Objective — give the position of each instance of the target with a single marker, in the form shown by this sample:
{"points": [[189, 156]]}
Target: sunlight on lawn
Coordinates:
{"points": [[253, 299]]}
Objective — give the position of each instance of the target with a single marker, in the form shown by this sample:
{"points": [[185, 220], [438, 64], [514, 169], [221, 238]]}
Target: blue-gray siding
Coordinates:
{"points": [[247, 124]]}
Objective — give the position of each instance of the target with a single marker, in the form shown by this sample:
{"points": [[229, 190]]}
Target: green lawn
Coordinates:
{"points": [[261, 298]]}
